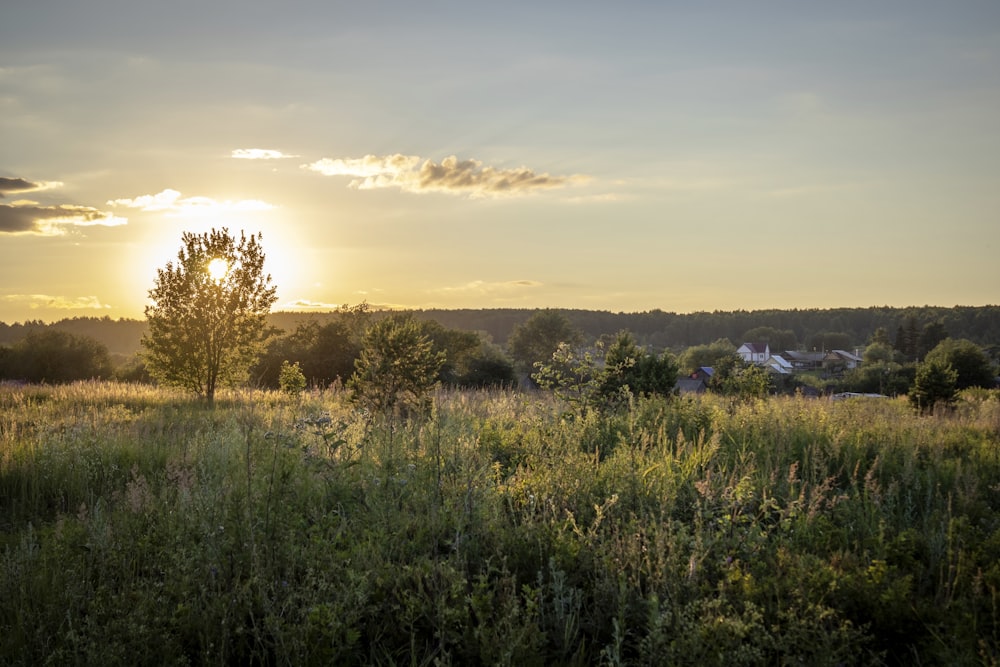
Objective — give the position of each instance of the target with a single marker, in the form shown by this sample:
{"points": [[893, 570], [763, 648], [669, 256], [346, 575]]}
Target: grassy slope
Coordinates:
{"points": [[139, 528]]}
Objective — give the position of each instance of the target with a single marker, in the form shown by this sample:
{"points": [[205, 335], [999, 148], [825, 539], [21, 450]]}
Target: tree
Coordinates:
{"points": [[971, 365], [932, 334], [829, 340], [735, 377], [537, 339], [627, 365], [935, 384], [881, 335], [397, 366], [50, 355], [777, 339], [572, 375], [457, 346], [290, 379], [878, 354], [208, 318], [708, 356]]}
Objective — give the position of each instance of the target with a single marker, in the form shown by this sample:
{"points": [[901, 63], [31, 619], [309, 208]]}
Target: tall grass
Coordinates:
{"points": [[138, 527]]}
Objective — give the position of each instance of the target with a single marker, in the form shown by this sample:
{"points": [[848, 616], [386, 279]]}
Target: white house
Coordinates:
{"points": [[754, 353]]}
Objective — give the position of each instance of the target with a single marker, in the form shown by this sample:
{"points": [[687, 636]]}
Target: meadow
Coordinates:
{"points": [[139, 527]]}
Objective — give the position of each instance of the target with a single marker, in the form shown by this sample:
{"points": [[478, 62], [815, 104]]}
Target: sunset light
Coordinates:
{"points": [[650, 332], [218, 268], [620, 157]]}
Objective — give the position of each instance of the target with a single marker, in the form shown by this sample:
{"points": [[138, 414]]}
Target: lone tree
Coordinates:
{"points": [[207, 321]]}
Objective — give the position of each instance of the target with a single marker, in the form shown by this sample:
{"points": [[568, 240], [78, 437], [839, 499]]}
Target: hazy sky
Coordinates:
{"points": [[609, 155]]}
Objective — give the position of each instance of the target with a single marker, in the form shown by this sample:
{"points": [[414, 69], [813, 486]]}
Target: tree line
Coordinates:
{"points": [[805, 329], [209, 326]]}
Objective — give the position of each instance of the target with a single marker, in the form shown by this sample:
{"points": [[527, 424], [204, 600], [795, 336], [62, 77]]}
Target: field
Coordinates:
{"points": [[138, 527]]}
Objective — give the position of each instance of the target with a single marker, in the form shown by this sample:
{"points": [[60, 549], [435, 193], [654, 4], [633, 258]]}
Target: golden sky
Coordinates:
{"points": [[618, 156]]}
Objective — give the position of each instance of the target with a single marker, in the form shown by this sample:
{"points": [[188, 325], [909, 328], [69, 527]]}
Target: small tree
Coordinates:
{"points": [[397, 366], [290, 379], [207, 321], [935, 384], [572, 376]]}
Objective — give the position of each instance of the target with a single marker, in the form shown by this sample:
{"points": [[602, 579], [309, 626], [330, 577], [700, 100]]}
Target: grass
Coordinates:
{"points": [[137, 527]]}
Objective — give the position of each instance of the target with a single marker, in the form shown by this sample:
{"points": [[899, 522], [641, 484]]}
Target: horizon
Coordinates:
{"points": [[379, 309], [622, 158]]}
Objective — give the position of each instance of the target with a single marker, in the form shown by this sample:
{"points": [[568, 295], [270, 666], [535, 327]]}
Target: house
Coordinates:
{"points": [[703, 373], [844, 358], [804, 361], [754, 353], [691, 385], [776, 363]]}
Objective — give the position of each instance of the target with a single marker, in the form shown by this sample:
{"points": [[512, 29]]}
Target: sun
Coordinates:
{"points": [[218, 268]]}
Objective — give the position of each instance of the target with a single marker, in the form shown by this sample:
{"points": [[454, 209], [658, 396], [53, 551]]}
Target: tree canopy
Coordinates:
{"points": [[208, 316], [536, 339], [971, 365], [397, 366], [51, 355]]}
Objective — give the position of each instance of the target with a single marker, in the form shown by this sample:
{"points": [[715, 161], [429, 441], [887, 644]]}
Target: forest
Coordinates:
{"points": [[657, 329]]}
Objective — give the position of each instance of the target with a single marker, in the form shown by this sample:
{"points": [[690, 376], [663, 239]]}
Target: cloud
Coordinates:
{"points": [[8, 185], [483, 287], [29, 217], [306, 304], [259, 154], [38, 301], [170, 200], [410, 173], [25, 217]]}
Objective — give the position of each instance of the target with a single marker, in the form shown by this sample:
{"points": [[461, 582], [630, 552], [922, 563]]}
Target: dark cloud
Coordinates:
{"points": [[46, 220], [8, 185]]}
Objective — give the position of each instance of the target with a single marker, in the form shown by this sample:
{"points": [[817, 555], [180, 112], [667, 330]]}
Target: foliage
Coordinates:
{"points": [[829, 340], [735, 377], [489, 367], [470, 359], [574, 376], [890, 379], [136, 528], [628, 367], [206, 331], [880, 354], [602, 378], [51, 355], [397, 366], [971, 365], [707, 355], [325, 353], [936, 384], [290, 379], [777, 339], [538, 338]]}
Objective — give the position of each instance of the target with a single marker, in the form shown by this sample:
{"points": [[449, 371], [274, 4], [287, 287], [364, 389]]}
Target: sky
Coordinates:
{"points": [[626, 156]]}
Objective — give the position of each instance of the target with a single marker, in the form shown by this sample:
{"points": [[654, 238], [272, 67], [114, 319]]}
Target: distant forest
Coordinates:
{"points": [[656, 329]]}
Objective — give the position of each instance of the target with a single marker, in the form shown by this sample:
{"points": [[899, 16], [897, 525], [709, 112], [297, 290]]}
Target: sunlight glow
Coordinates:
{"points": [[218, 268]]}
